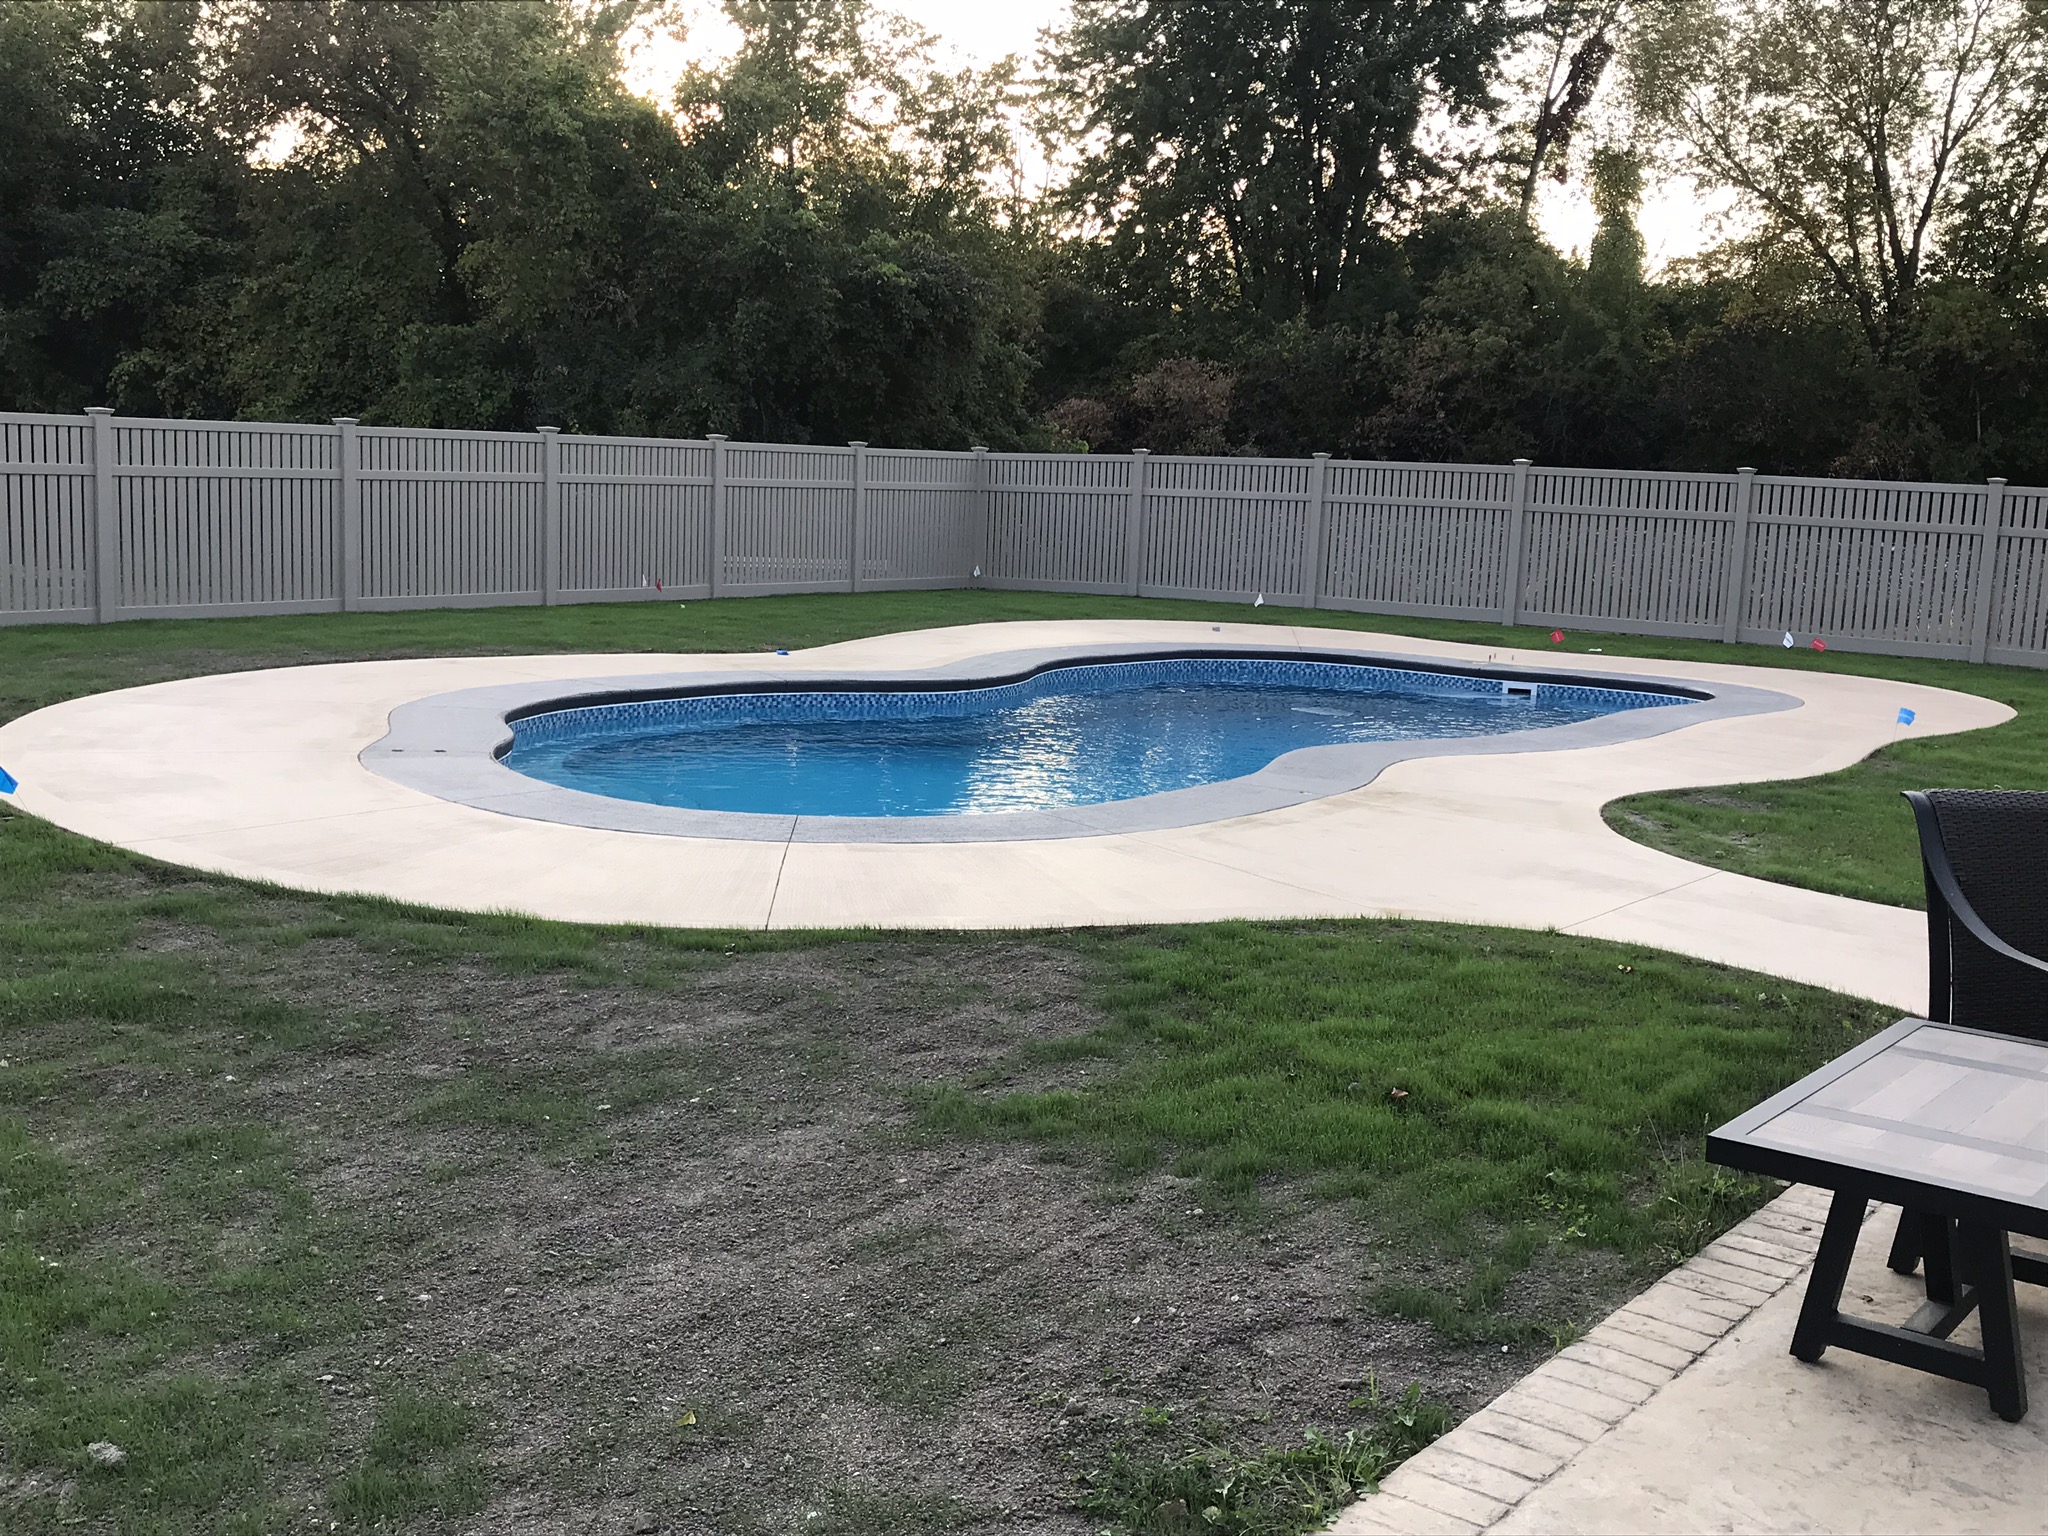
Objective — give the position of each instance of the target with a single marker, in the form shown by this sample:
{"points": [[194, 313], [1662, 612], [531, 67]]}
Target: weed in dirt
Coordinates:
{"points": [[565, 1107], [1466, 1304], [892, 1242], [843, 1512], [1698, 1203], [420, 1461], [923, 1380], [1271, 1491]]}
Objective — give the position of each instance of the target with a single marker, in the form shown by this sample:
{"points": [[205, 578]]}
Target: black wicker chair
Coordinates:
{"points": [[1984, 853]]}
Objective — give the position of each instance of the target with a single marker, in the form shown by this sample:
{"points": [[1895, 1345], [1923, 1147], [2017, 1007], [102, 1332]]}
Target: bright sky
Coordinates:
{"points": [[1674, 221], [978, 33], [983, 32]]}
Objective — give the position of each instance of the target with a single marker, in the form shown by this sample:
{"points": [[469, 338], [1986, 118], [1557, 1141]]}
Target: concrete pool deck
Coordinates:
{"points": [[257, 775]]}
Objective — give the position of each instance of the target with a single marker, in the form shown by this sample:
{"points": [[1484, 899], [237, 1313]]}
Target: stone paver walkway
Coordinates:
{"points": [[1685, 1412]]}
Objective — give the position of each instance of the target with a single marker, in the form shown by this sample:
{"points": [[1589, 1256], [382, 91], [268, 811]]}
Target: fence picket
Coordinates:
{"points": [[104, 517]]}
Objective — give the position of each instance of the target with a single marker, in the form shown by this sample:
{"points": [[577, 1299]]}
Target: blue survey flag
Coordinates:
{"points": [[1905, 715], [8, 782]]}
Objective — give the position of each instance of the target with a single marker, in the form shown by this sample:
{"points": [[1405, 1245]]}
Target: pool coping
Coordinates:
{"points": [[449, 745]]}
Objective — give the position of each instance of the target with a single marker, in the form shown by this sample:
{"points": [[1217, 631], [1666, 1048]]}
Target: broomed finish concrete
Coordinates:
{"points": [[257, 774]]}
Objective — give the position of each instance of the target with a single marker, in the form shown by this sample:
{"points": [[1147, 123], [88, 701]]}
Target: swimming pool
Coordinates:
{"points": [[1073, 734]]}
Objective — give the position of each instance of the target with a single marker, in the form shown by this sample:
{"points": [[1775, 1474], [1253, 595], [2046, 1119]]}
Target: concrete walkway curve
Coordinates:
{"points": [[256, 774]]}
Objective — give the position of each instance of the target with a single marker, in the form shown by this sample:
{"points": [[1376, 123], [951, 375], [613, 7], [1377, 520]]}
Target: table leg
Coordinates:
{"points": [[1823, 1302], [1905, 1255], [1938, 1249], [1986, 1253], [1924, 1233]]}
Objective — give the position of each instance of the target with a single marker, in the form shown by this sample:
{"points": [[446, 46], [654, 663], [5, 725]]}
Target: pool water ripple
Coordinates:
{"points": [[1072, 735]]}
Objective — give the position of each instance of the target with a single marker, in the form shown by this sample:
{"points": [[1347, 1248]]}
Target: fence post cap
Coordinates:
{"points": [[979, 448], [856, 442], [345, 421], [714, 437], [99, 410], [1745, 469], [1141, 453], [1322, 455], [1994, 480], [547, 429], [1525, 462]]}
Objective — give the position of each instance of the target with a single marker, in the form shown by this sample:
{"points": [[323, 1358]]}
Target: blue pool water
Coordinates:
{"points": [[1078, 734]]}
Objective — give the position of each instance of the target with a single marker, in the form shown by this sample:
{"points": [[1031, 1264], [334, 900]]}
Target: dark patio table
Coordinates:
{"points": [[1950, 1123]]}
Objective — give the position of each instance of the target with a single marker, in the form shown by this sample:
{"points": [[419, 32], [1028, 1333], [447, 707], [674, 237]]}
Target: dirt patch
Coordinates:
{"points": [[688, 1251], [1720, 800]]}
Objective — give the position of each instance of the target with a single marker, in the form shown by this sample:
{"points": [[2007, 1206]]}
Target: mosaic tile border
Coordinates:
{"points": [[449, 745], [599, 721]]}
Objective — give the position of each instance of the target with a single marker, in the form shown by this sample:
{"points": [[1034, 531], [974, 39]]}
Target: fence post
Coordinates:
{"points": [[1735, 579], [349, 556], [1987, 561], [1514, 568], [1312, 531], [857, 541], [106, 519], [550, 515], [717, 512], [984, 519], [1134, 524]]}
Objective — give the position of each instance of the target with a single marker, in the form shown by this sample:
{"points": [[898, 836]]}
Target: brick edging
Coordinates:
{"points": [[1474, 1476]]}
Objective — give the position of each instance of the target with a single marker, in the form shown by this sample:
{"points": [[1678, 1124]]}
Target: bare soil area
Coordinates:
{"points": [[734, 1290]]}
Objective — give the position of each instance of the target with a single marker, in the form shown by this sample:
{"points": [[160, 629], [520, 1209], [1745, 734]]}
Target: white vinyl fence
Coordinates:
{"points": [[104, 517]]}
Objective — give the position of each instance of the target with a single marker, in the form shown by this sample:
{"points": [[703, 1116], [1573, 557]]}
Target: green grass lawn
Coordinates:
{"points": [[1511, 1122], [231, 1137], [1481, 1093], [1850, 832]]}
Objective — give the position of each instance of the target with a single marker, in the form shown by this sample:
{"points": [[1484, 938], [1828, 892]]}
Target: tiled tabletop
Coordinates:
{"points": [[1958, 1109]]}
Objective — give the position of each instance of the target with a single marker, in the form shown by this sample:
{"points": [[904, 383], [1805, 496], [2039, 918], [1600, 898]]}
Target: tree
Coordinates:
{"points": [[118, 235], [1572, 44], [837, 265], [476, 225], [442, 214], [1858, 130], [788, 97], [452, 180], [1250, 153], [1614, 261]]}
